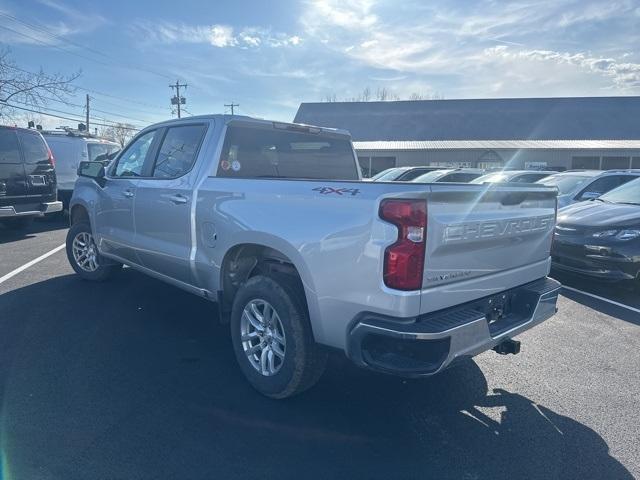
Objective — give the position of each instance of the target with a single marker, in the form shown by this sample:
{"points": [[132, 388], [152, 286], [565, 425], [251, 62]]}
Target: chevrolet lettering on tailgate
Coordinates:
{"points": [[461, 232]]}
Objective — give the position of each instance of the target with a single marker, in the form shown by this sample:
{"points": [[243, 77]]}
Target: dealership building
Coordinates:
{"points": [[551, 133]]}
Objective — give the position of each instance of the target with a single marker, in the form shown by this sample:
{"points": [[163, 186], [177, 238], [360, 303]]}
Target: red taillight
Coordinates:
{"points": [[52, 160], [404, 260]]}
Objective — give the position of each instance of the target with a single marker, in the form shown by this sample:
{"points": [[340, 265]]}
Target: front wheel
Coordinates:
{"points": [[272, 336], [84, 257]]}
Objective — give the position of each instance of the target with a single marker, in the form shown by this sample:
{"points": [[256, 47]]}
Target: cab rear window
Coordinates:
{"points": [[266, 153]]}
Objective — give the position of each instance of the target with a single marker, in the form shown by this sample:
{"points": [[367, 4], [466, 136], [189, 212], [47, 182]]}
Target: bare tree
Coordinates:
{"points": [[30, 90], [120, 132], [383, 94]]}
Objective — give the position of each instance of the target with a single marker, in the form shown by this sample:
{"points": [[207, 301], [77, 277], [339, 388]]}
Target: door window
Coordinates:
{"points": [[9, 150], [178, 151], [34, 148], [132, 160]]}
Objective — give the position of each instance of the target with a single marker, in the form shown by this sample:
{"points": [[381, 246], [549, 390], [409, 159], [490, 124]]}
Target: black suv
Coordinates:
{"points": [[27, 177]]}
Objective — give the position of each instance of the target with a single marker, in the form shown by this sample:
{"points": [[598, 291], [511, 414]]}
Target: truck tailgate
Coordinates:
{"points": [[483, 231]]}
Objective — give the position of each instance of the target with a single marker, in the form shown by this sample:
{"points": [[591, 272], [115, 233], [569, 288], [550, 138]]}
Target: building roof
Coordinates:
{"points": [[596, 118], [498, 144]]}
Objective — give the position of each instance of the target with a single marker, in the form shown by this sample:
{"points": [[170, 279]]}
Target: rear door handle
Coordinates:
{"points": [[178, 199], [128, 193]]}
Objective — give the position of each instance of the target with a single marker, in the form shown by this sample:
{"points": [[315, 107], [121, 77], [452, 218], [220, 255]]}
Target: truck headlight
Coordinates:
{"points": [[628, 234], [605, 233]]}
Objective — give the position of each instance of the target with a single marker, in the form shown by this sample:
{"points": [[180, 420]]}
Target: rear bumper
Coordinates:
{"points": [[43, 209], [427, 344]]}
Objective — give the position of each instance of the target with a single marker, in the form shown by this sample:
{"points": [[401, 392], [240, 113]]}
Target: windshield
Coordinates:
{"points": [[101, 151], [627, 193], [565, 183], [491, 178], [389, 174], [431, 176]]}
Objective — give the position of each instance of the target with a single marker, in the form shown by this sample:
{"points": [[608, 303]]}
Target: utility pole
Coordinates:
{"points": [[87, 109], [177, 99], [231, 105]]}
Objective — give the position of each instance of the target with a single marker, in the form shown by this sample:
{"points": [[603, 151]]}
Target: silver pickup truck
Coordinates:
{"points": [[273, 222]]}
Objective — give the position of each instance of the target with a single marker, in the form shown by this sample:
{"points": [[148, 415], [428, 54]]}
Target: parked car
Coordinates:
{"points": [[577, 185], [326, 260], [27, 177], [513, 176], [402, 174], [451, 175], [601, 238], [69, 149]]}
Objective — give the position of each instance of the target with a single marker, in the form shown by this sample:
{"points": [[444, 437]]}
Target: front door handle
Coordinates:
{"points": [[128, 193], [178, 199]]}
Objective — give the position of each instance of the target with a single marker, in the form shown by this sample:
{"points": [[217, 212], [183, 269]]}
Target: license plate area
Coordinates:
{"points": [[497, 308], [38, 180], [506, 310]]}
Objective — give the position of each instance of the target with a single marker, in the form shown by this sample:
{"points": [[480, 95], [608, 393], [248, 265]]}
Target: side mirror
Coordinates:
{"points": [[94, 170], [589, 195]]}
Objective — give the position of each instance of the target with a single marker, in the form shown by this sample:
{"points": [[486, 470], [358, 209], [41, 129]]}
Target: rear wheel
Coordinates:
{"points": [[272, 336], [84, 257]]}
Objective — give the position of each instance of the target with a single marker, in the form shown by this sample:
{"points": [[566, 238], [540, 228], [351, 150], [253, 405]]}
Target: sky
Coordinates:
{"points": [[269, 56]]}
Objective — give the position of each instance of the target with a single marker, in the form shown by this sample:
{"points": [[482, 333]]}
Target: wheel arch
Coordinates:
{"points": [[249, 258], [79, 213]]}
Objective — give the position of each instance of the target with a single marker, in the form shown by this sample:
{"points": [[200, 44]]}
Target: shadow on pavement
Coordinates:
{"points": [[136, 379], [39, 225]]}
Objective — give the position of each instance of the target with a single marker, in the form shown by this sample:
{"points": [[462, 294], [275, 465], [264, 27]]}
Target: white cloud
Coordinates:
{"points": [[217, 35], [72, 22], [343, 13], [443, 39], [624, 75], [222, 36]]}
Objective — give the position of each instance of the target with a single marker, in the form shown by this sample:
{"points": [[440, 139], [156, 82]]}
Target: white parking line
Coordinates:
{"points": [[15, 272], [617, 304]]}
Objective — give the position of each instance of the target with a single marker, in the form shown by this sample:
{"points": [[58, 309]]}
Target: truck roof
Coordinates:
{"points": [[246, 119]]}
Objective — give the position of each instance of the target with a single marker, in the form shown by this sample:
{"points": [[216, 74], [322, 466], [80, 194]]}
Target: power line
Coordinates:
{"points": [[49, 109], [91, 90], [42, 29], [68, 118], [71, 104]]}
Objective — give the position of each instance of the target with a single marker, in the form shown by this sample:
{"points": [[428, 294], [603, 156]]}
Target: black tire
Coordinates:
{"points": [[304, 360], [105, 268], [18, 223]]}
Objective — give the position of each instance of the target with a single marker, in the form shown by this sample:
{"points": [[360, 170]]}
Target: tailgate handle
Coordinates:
{"points": [[513, 198]]}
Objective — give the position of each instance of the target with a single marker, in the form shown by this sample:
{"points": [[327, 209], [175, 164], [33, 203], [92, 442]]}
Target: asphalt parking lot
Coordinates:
{"points": [[136, 379]]}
